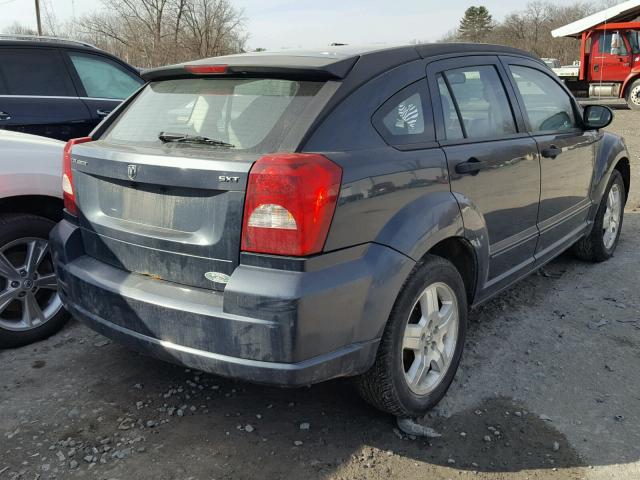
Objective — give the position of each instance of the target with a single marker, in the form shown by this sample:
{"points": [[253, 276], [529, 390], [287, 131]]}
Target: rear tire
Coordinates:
{"points": [[411, 374], [32, 312], [632, 95], [600, 244]]}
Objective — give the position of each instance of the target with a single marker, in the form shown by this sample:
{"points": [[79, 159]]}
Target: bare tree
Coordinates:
{"points": [[149, 33]]}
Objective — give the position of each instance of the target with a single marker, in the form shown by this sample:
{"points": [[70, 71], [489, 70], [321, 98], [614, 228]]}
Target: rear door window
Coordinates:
{"points": [[547, 105], [102, 78], [248, 114], [481, 101], [34, 72]]}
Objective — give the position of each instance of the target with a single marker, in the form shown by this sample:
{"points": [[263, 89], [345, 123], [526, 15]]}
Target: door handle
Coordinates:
{"points": [[103, 113], [472, 166], [551, 152], [5, 116]]}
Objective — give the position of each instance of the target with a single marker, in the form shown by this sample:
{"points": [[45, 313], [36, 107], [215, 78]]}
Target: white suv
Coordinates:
{"points": [[30, 205]]}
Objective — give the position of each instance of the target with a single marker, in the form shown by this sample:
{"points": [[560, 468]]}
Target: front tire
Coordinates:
{"points": [[421, 346], [633, 95], [602, 241], [30, 308]]}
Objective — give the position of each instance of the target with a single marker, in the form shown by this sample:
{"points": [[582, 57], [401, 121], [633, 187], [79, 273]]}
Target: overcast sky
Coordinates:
{"points": [[276, 24]]}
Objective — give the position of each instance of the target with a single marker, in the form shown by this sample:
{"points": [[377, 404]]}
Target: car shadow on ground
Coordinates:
{"points": [[165, 421]]}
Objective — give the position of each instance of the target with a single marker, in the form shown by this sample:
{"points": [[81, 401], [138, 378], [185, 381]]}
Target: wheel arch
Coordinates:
{"points": [[448, 225], [611, 155], [633, 76], [460, 252], [624, 167], [42, 205]]}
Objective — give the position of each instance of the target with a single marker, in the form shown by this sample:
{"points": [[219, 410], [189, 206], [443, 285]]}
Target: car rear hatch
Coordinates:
{"points": [[161, 191]]}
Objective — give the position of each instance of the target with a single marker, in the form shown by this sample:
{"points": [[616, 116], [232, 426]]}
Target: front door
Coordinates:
{"points": [[567, 154], [493, 164], [611, 59]]}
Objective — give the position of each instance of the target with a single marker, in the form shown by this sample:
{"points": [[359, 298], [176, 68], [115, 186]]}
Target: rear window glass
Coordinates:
{"points": [[249, 114]]}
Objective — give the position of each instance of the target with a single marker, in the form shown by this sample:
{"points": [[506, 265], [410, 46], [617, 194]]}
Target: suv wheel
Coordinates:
{"points": [[30, 308], [422, 343], [633, 95], [600, 244]]}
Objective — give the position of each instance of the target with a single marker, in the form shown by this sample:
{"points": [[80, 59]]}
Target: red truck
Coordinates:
{"points": [[609, 65]]}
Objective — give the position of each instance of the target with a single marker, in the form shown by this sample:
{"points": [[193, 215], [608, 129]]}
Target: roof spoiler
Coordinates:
{"points": [[274, 66]]}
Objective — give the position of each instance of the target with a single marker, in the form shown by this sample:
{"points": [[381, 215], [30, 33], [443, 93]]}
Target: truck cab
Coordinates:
{"points": [[612, 61], [609, 63]]}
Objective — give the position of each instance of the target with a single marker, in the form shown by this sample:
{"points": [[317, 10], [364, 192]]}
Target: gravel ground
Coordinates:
{"points": [[548, 388]]}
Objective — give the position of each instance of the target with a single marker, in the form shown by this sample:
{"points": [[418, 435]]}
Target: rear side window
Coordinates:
{"points": [[405, 119], [547, 105], [481, 101], [249, 114], [102, 78], [33, 71]]}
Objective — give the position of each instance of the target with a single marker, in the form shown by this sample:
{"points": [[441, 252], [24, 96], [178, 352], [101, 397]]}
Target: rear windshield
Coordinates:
{"points": [[246, 114]]}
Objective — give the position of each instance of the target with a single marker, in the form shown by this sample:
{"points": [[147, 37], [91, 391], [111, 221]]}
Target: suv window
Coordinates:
{"points": [[102, 78], [251, 114], [547, 105], [482, 101], [33, 71], [404, 118]]}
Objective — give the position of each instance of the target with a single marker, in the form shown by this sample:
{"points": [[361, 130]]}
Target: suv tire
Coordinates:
{"points": [[412, 342], [17, 233], [601, 242]]}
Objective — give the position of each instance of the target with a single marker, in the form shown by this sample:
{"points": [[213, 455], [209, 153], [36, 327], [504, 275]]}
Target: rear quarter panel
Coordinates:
{"points": [[398, 198]]}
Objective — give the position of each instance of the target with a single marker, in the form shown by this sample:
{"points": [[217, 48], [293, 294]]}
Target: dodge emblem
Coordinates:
{"points": [[132, 171]]}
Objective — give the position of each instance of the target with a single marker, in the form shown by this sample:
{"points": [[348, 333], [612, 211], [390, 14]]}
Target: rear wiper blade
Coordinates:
{"points": [[167, 137]]}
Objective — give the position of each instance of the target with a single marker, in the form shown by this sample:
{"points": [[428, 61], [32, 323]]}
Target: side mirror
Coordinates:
{"points": [[597, 116]]}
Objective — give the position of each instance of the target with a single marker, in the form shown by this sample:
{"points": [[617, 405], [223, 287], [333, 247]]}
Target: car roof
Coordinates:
{"points": [[44, 41], [333, 62]]}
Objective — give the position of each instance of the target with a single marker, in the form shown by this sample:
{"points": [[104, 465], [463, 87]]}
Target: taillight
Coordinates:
{"points": [[68, 195], [289, 203]]}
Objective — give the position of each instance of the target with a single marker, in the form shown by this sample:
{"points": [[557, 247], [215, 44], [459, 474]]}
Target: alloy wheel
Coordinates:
{"points": [[28, 285], [611, 220], [430, 338]]}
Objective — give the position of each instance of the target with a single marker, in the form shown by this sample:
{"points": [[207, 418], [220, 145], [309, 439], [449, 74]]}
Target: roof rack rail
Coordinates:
{"points": [[36, 38]]}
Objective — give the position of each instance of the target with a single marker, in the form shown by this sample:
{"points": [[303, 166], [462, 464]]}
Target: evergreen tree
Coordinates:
{"points": [[476, 24]]}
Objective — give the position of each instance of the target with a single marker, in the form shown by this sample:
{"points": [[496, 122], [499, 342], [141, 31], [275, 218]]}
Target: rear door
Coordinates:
{"points": [[173, 210], [493, 164], [103, 83], [37, 94], [567, 152]]}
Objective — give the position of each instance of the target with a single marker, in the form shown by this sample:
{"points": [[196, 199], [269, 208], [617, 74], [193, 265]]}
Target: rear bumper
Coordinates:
{"points": [[286, 327]]}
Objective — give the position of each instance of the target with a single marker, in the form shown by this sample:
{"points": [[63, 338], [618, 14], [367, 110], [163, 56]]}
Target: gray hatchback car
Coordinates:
{"points": [[294, 217]]}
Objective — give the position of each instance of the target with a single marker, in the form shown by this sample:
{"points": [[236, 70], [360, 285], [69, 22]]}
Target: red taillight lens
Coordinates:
{"points": [[68, 195], [289, 204], [207, 69]]}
